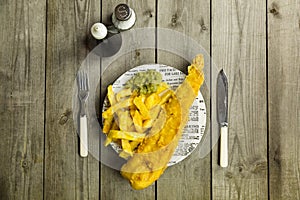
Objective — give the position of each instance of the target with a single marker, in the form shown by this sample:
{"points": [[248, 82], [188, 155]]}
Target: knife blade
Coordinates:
{"points": [[222, 103]]}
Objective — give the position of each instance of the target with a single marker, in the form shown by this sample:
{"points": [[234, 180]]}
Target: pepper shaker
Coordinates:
{"points": [[123, 17]]}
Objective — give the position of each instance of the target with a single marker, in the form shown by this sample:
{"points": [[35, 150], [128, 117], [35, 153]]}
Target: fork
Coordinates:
{"points": [[83, 94]]}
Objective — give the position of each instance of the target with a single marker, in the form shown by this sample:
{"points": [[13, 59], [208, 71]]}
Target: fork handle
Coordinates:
{"points": [[83, 136]]}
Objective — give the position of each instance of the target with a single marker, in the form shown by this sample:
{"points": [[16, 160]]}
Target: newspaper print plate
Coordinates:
{"points": [[194, 128]]}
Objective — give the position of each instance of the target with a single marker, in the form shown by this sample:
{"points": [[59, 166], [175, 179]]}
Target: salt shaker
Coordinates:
{"points": [[123, 17], [99, 31]]}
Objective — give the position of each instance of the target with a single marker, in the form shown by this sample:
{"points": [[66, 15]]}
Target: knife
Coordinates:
{"points": [[222, 102]]}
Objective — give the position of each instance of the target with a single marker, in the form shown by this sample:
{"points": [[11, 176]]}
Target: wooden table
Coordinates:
{"points": [[43, 43]]}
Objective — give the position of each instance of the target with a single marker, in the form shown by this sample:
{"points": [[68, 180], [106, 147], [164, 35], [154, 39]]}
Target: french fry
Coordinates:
{"points": [[123, 93], [126, 147], [108, 140], [134, 136], [111, 95], [138, 102], [162, 86], [138, 121], [153, 114], [107, 124], [166, 96], [152, 100], [125, 120], [123, 104], [108, 113], [111, 110]]}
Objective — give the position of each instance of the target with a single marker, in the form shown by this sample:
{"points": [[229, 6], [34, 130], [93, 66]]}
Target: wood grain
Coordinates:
{"points": [[239, 47], [284, 98], [43, 44], [113, 185], [67, 175], [22, 61], [189, 179]]}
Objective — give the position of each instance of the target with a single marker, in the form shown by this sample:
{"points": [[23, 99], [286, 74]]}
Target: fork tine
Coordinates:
{"points": [[86, 81], [78, 80], [81, 80], [81, 84]]}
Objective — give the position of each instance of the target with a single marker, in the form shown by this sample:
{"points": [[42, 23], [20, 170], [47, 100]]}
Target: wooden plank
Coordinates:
{"points": [[22, 69], [284, 98], [189, 179], [67, 175], [113, 185], [239, 47]]}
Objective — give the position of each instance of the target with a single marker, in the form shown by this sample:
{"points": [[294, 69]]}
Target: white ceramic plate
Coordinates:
{"points": [[194, 128]]}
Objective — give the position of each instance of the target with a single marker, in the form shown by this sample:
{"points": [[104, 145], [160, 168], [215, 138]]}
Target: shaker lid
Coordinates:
{"points": [[122, 12], [99, 31]]}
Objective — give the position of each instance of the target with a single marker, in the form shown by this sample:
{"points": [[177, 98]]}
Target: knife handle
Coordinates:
{"points": [[83, 136], [224, 146]]}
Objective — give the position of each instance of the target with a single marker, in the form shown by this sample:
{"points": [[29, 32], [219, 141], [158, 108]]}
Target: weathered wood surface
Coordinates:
{"points": [[67, 175], [113, 185], [22, 78], [191, 178], [284, 98], [239, 47], [43, 44]]}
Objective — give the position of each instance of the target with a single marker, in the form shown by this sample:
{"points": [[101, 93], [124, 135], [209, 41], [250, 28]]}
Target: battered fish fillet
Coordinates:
{"points": [[153, 155]]}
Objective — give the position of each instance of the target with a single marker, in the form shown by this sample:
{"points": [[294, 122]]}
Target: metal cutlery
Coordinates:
{"points": [[222, 102], [83, 93]]}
